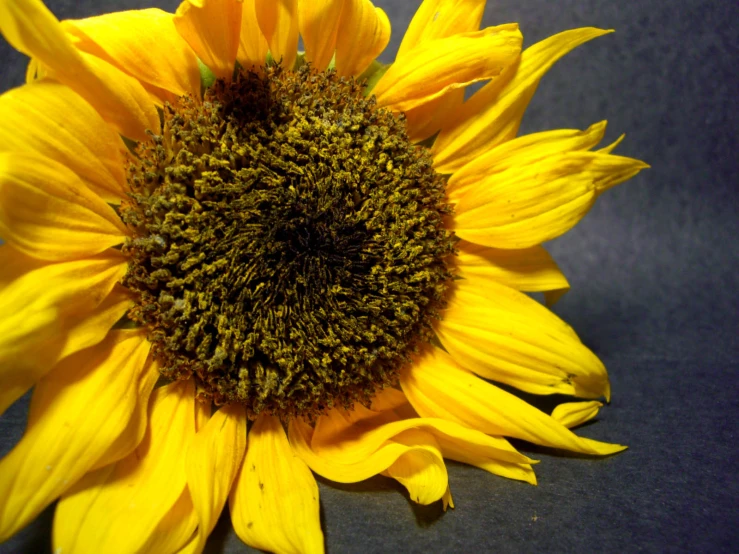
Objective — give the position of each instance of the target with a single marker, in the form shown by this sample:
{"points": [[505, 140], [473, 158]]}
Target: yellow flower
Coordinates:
{"points": [[322, 250]]}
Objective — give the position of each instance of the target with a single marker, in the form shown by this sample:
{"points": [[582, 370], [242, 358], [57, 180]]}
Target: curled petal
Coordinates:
{"points": [[421, 470], [504, 335], [572, 414]]}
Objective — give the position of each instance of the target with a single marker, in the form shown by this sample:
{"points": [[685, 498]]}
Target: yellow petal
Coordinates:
{"points": [[38, 302], [572, 414], [78, 410], [525, 206], [463, 452], [87, 329], [436, 19], [142, 43], [503, 335], [52, 120], [438, 66], [134, 432], [364, 34], [388, 399], [436, 384], [522, 152], [351, 436], [253, 46], [300, 438], [531, 269], [177, 528], [274, 503], [611, 147], [351, 445], [213, 460], [319, 25], [124, 503], [425, 120], [34, 71], [278, 21], [46, 211], [493, 114], [32, 29], [212, 28], [421, 470]]}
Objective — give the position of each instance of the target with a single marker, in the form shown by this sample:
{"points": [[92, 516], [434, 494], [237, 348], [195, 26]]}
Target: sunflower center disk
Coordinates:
{"points": [[289, 249]]}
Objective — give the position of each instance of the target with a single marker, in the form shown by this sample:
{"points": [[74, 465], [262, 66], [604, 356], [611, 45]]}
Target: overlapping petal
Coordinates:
{"points": [[212, 463], [48, 213], [493, 114], [365, 32], [31, 28], [212, 29], [350, 436], [350, 445], [504, 335], [142, 43], [39, 302], [437, 19], [78, 411], [253, 46], [438, 387], [531, 269], [527, 205], [278, 20], [52, 120], [319, 26], [122, 504], [520, 153], [176, 530], [445, 64], [274, 503]]}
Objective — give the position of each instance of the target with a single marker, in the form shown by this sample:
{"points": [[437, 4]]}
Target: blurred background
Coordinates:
{"points": [[653, 270]]}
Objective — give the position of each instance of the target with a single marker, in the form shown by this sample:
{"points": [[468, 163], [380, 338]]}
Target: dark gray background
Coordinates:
{"points": [[653, 270]]}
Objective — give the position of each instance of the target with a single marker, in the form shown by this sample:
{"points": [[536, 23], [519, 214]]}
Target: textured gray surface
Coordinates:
{"points": [[653, 269]]}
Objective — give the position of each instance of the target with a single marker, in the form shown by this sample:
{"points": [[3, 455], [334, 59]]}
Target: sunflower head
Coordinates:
{"points": [[288, 248]]}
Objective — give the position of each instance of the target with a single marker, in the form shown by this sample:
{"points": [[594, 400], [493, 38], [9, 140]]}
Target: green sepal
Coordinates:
{"points": [[207, 77], [372, 75], [300, 61]]}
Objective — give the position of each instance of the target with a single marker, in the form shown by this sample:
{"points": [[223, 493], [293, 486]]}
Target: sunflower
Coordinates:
{"points": [[229, 264]]}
